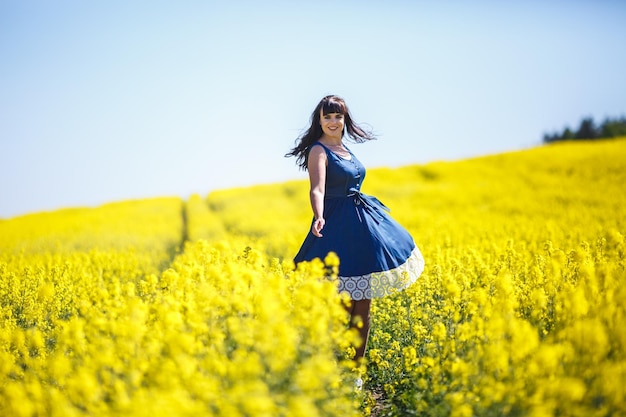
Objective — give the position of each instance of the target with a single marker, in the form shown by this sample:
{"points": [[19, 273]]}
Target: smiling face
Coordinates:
{"points": [[332, 125]]}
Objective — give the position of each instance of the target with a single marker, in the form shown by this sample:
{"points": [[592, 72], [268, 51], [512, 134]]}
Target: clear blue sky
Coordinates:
{"points": [[113, 100]]}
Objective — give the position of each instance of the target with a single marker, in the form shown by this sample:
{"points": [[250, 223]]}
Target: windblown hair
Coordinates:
{"points": [[329, 104]]}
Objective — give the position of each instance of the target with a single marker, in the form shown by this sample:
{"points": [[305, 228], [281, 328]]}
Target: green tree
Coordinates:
{"points": [[587, 129], [612, 128], [567, 134]]}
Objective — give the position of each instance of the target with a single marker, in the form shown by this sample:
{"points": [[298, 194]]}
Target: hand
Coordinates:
{"points": [[317, 227]]}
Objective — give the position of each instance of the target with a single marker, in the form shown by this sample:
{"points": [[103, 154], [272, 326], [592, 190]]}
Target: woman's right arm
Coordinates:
{"points": [[317, 177]]}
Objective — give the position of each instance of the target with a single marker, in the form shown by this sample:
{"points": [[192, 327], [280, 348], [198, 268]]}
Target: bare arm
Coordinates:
{"points": [[317, 177]]}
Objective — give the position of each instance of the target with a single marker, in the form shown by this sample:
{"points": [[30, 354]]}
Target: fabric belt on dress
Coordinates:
{"points": [[367, 201]]}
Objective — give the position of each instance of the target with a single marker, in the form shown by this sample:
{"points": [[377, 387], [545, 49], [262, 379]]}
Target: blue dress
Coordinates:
{"points": [[377, 256]]}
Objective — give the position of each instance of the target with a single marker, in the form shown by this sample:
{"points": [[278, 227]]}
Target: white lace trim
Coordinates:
{"points": [[380, 284]]}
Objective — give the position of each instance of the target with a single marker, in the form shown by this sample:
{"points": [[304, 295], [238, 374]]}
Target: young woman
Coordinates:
{"points": [[377, 256]]}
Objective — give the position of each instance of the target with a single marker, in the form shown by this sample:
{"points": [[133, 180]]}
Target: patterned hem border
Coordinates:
{"points": [[380, 284]]}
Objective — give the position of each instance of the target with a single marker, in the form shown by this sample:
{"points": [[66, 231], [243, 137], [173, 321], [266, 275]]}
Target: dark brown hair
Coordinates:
{"points": [[329, 104]]}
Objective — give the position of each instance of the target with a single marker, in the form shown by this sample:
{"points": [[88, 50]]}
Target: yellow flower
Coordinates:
{"points": [[439, 332]]}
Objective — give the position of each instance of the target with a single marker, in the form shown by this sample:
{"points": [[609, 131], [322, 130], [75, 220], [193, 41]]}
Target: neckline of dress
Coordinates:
{"points": [[337, 155]]}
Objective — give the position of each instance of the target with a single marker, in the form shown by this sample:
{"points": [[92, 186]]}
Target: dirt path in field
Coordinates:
{"points": [[379, 398], [179, 247], [185, 226]]}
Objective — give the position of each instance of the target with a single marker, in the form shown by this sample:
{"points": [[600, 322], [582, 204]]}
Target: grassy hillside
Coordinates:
{"points": [[166, 307]]}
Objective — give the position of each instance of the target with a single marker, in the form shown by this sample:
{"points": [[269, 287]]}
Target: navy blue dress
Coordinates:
{"points": [[377, 256]]}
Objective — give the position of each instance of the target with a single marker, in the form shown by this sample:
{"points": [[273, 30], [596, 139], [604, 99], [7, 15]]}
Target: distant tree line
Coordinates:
{"points": [[610, 128]]}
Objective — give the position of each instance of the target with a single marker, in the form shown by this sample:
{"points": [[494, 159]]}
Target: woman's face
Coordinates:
{"points": [[332, 125]]}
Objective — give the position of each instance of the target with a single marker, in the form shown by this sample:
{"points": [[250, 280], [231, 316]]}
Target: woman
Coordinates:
{"points": [[377, 256]]}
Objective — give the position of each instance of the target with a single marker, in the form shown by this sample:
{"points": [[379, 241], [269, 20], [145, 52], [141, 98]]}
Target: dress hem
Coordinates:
{"points": [[380, 284]]}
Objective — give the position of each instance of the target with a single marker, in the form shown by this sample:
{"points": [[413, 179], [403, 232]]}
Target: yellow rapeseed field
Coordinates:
{"points": [[166, 307]]}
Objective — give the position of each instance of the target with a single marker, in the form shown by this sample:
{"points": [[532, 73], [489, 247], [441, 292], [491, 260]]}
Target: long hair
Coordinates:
{"points": [[329, 104]]}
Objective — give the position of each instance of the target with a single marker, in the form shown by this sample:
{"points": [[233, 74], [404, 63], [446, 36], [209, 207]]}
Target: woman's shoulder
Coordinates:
{"points": [[318, 143], [318, 148]]}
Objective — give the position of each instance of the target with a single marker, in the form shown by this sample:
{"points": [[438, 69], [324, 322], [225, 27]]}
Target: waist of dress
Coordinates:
{"points": [[352, 192], [360, 199]]}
